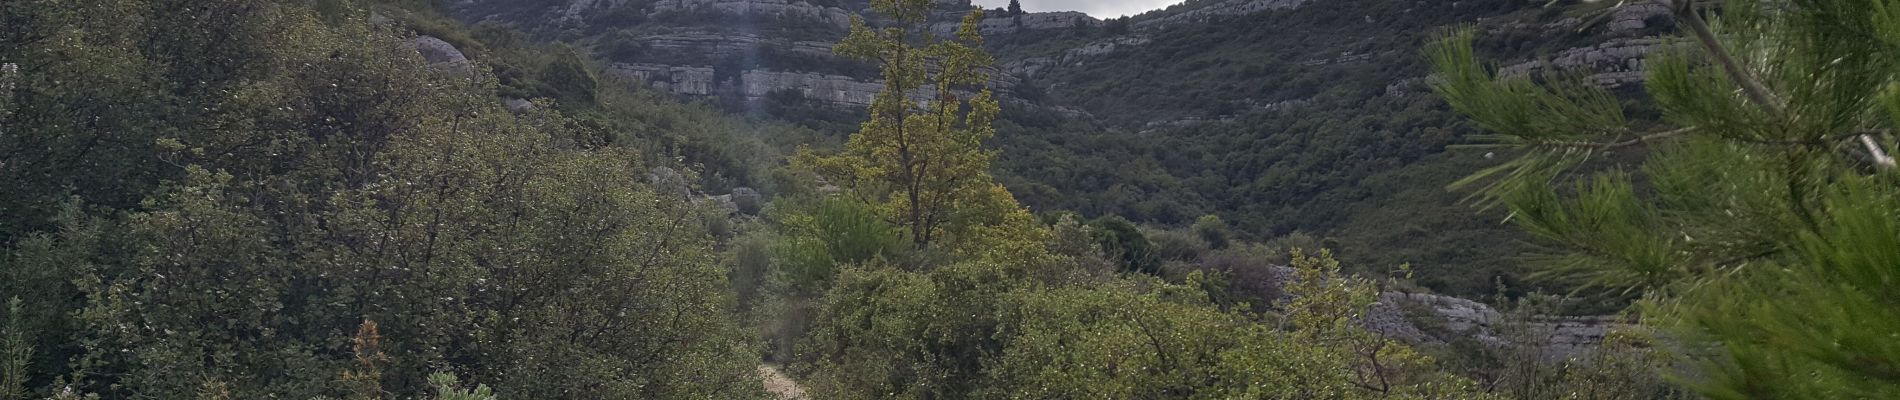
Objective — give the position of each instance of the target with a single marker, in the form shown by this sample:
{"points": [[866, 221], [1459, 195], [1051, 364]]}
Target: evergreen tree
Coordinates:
{"points": [[1763, 225], [919, 157], [1015, 7]]}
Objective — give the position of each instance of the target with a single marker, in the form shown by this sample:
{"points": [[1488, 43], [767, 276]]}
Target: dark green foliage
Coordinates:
{"points": [[1181, 127], [1213, 230], [570, 77], [16, 352], [236, 195], [447, 387], [1124, 241], [1176, 245]]}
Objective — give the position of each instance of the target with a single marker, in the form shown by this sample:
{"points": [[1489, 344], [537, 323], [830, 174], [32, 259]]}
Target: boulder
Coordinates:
{"points": [[517, 104], [668, 182], [441, 55], [747, 201], [722, 203]]}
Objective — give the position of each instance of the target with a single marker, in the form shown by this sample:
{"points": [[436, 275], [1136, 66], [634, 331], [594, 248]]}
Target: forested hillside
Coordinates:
{"points": [[1279, 117], [918, 199]]}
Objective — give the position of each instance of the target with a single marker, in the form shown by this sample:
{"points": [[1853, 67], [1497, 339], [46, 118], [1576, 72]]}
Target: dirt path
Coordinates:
{"points": [[779, 384]]}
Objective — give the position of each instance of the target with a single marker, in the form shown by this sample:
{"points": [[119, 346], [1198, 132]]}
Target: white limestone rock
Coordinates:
{"points": [[442, 55]]}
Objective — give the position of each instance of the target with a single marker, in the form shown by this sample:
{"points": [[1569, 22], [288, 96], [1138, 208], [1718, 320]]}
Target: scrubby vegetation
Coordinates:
{"points": [[283, 199]]}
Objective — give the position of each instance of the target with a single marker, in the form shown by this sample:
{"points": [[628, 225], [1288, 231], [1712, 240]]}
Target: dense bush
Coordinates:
{"points": [[269, 200]]}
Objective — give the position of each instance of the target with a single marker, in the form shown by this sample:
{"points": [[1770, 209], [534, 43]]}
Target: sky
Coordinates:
{"points": [[1095, 8]]}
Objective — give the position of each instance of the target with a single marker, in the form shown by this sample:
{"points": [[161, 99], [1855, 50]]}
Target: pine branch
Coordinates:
{"points": [[1758, 93], [1648, 138], [1685, 12]]}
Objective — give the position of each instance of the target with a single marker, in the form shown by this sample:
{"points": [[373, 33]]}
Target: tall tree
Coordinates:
{"points": [[1015, 7], [919, 157], [1764, 229]]}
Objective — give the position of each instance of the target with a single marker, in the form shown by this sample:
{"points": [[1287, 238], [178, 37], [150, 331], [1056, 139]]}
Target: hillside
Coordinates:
{"points": [[913, 199], [1279, 116]]}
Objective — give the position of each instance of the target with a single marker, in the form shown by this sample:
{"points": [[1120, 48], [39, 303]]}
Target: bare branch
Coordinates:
{"points": [[1880, 155]]}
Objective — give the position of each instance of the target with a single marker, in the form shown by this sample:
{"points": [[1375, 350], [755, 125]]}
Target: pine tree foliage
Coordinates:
{"points": [[1761, 227]]}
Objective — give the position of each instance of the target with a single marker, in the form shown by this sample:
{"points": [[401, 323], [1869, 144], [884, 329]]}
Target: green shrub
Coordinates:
{"points": [[1122, 240]]}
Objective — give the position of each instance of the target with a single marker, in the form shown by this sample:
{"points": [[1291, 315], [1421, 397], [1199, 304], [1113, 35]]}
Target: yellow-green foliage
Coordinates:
{"points": [[919, 157]]}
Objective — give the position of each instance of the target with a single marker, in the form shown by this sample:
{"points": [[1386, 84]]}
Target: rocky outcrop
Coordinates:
{"points": [[1574, 336], [774, 8], [517, 104], [1612, 63], [725, 44], [686, 80], [758, 84], [441, 55], [1635, 17], [830, 89], [575, 8], [747, 200], [1391, 316], [999, 25], [755, 84], [1034, 66], [1430, 319], [669, 182], [1216, 9], [1400, 316], [1344, 57]]}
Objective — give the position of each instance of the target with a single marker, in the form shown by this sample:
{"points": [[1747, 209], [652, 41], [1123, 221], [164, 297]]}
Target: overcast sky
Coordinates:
{"points": [[1095, 8]]}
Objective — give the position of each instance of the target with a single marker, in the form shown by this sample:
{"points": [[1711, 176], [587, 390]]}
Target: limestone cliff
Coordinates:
{"points": [[776, 8], [1211, 9], [1008, 24], [759, 84]]}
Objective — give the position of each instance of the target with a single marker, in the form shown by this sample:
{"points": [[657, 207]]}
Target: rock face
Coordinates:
{"points": [[725, 44], [576, 8], [747, 200], [774, 8], [686, 80], [759, 84], [441, 55], [832, 89], [1615, 62], [1635, 17], [1571, 337], [1220, 8], [998, 25], [754, 84], [1033, 66], [1612, 63], [1399, 315], [1420, 318]]}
